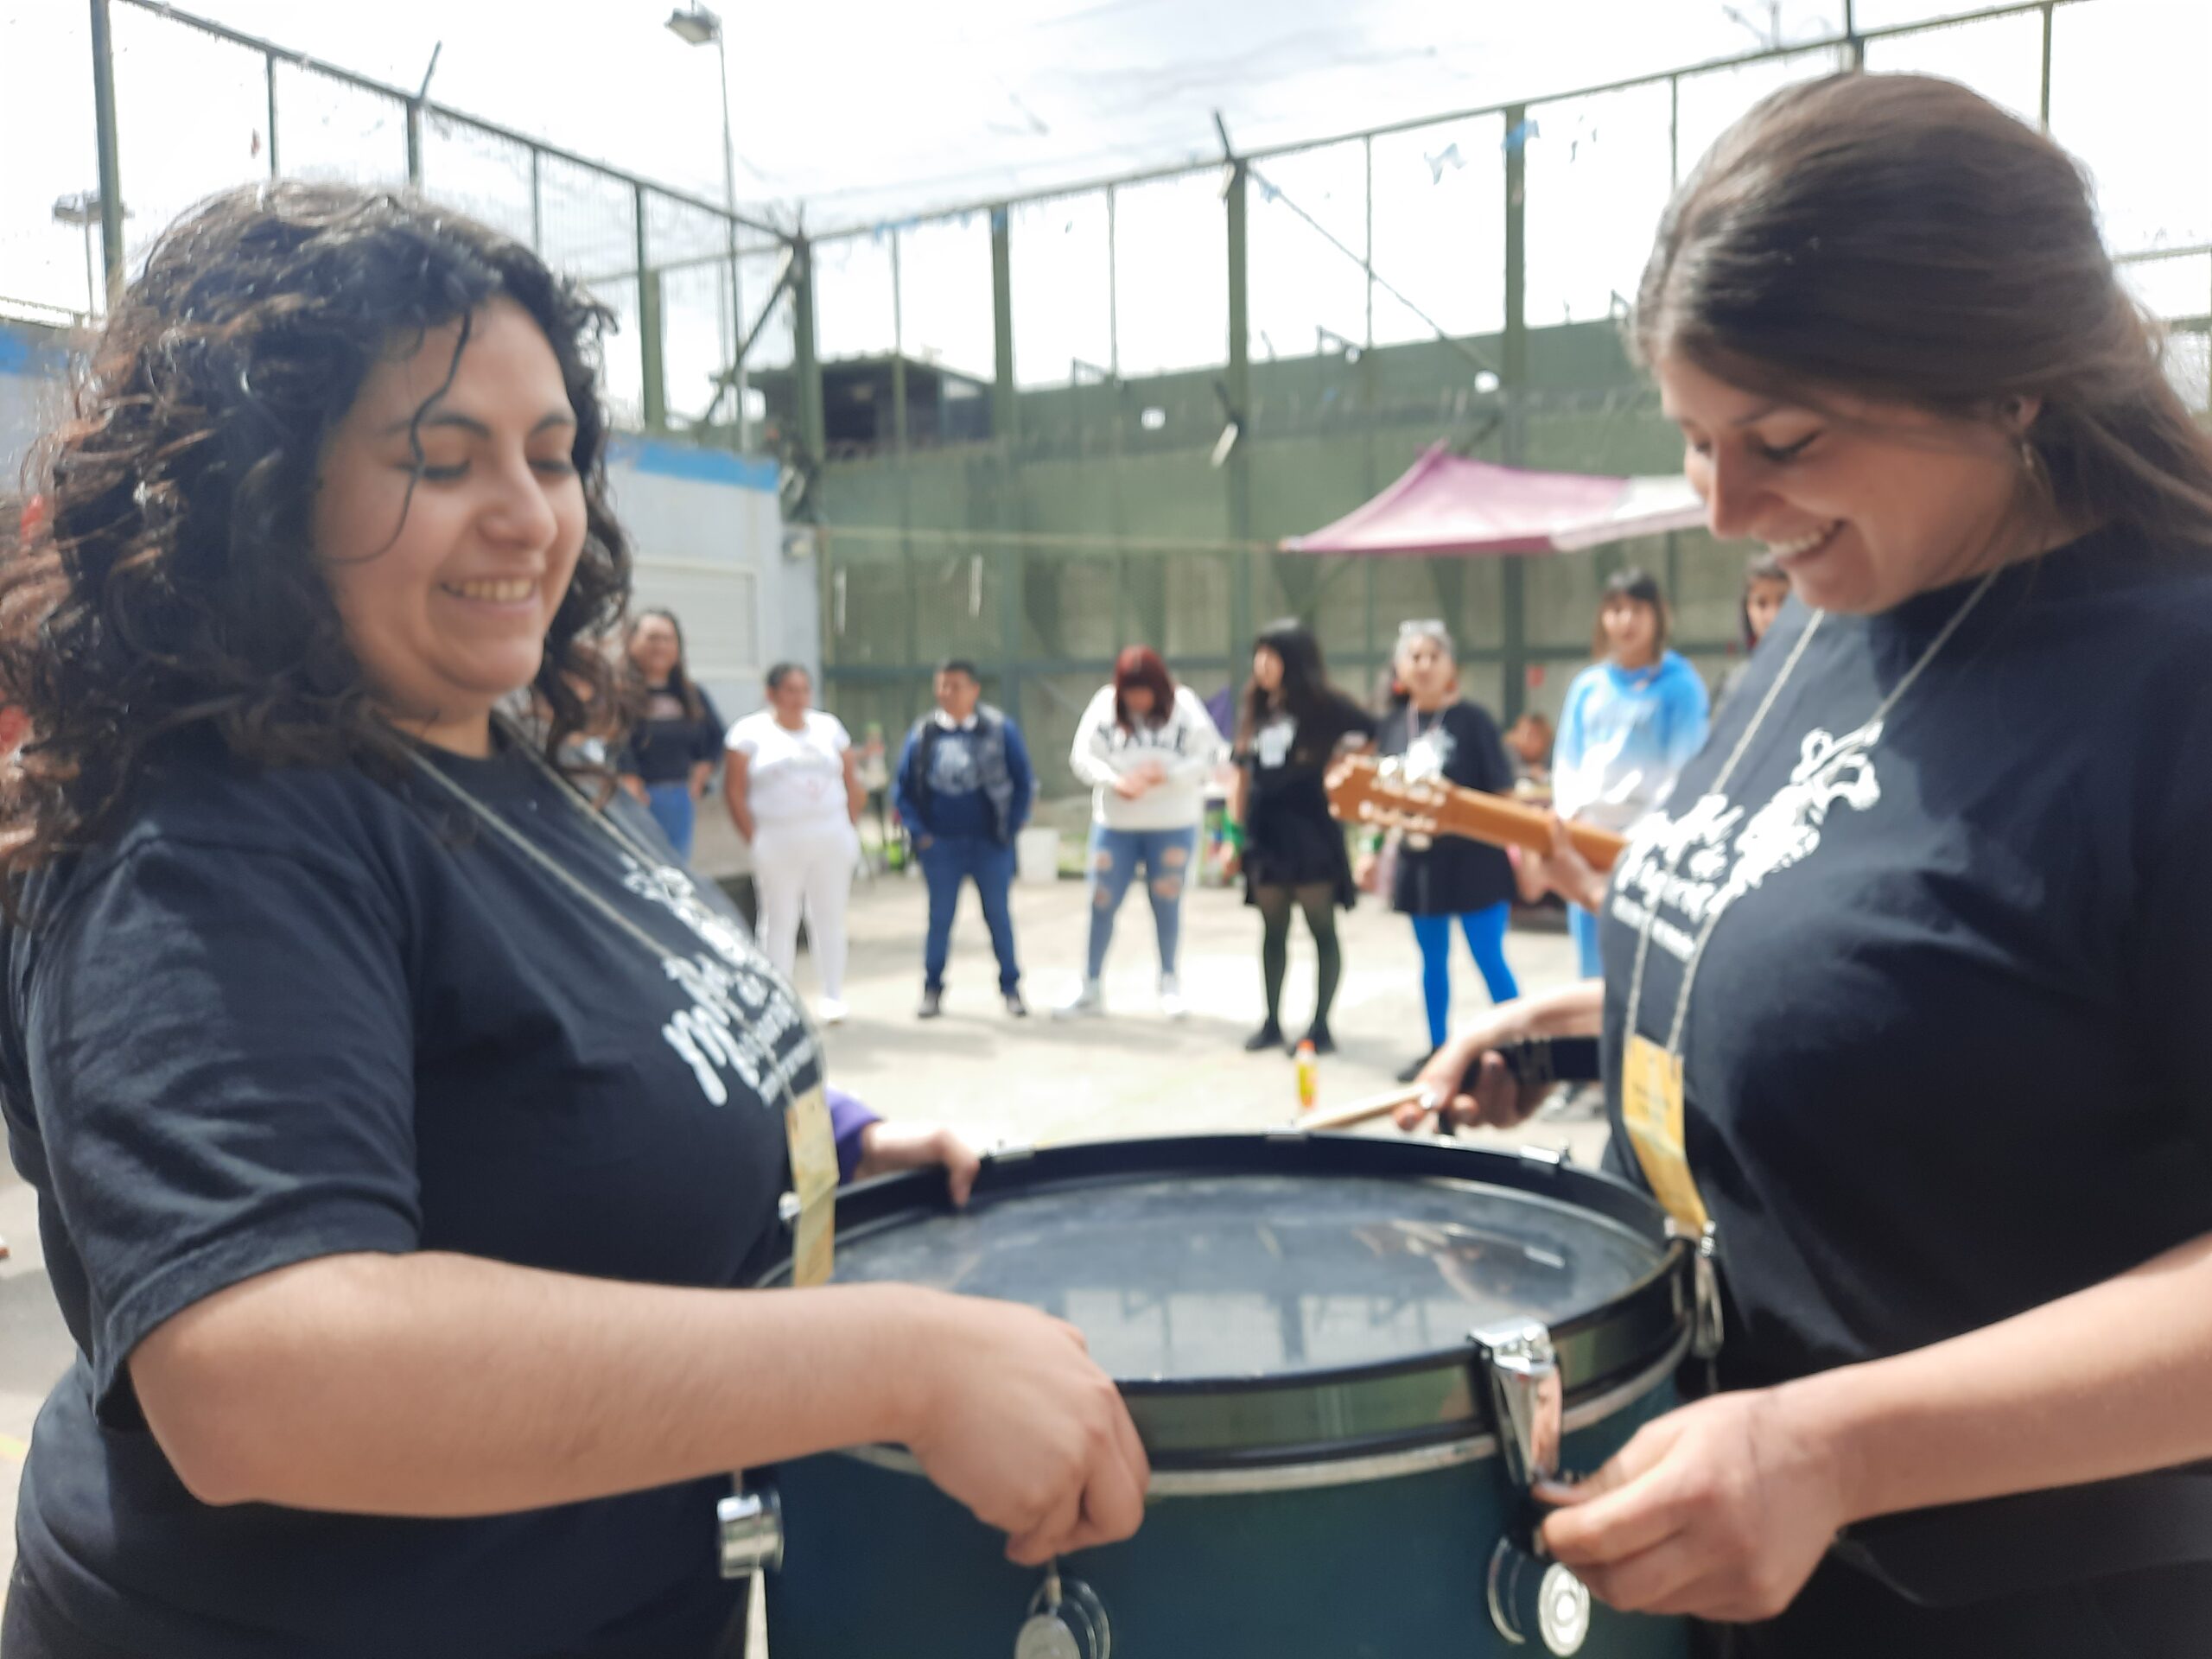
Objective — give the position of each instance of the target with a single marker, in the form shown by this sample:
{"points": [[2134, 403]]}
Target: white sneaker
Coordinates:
{"points": [[1086, 999], [1171, 997], [833, 1011]]}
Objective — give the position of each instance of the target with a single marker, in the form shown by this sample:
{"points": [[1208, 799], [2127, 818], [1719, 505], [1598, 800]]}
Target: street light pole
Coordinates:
{"points": [[696, 27], [729, 205]]}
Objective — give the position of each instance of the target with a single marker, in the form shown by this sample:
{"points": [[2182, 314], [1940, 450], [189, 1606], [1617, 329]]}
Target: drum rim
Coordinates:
{"points": [[1322, 1472], [1377, 1408]]}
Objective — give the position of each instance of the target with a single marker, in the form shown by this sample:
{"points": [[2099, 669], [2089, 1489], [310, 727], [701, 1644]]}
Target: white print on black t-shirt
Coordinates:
{"points": [[1271, 743], [1710, 874], [1429, 755], [740, 1013]]}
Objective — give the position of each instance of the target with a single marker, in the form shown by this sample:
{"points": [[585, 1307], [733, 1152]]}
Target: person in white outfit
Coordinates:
{"points": [[1145, 747], [795, 795]]}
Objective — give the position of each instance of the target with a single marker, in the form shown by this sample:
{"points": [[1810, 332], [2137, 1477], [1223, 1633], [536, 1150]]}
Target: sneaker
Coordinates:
{"points": [[1016, 1006], [1318, 1034], [932, 1002], [1171, 998], [833, 1011], [1087, 998], [1267, 1036], [1410, 1072]]}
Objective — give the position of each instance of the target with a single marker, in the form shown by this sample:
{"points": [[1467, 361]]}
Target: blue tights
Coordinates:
{"points": [[1485, 932]]}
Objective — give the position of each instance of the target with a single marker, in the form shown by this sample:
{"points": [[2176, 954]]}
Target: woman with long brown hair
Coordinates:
{"points": [[1904, 988], [1288, 846], [676, 736], [404, 1123]]}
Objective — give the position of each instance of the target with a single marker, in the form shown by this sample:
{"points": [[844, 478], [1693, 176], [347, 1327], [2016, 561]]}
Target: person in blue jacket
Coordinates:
{"points": [[1631, 719], [964, 791]]}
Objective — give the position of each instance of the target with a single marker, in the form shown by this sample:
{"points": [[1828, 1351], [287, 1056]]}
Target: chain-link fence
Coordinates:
{"points": [[199, 108], [1374, 274], [1034, 443]]}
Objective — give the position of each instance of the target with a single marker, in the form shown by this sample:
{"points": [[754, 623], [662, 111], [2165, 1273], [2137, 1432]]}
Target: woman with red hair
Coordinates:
{"points": [[1145, 747]]}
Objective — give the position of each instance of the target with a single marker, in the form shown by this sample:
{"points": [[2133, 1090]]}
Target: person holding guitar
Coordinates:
{"points": [[1903, 990], [1433, 733]]}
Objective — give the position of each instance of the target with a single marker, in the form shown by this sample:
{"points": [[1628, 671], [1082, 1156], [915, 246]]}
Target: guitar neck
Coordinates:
{"points": [[1503, 822]]}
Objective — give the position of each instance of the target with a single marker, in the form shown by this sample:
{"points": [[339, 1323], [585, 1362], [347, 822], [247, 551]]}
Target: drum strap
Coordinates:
{"points": [[1968, 1553]]}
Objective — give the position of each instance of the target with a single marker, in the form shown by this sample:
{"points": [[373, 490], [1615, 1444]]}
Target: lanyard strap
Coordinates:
{"points": [[1720, 782]]}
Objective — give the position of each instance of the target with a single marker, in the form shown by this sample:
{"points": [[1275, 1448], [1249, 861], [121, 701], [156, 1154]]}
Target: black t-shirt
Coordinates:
{"points": [[1451, 876], [1945, 1054], [1290, 838], [293, 1015], [667, 742]]}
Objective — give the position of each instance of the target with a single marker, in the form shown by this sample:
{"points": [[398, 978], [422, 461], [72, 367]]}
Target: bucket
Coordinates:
{"points": [[1037, 855]]}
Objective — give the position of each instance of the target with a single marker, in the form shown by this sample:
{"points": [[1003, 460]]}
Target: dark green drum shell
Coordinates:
{"points": [[1373, 1562]]}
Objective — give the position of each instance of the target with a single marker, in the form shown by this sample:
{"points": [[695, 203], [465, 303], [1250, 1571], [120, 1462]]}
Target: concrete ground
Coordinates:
{"points": [[994, 1078]]}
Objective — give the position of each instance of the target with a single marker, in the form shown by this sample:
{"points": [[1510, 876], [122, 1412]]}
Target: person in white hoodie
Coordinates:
{"points": [[1144, 746]]}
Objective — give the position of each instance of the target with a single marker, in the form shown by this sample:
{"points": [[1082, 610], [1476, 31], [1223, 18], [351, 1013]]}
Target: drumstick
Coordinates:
{"points": [[1534, 1062], [1359, 1111]]}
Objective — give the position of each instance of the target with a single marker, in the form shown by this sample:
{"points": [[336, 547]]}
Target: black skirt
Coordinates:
{"points": [[1290, 840], [1451, 877]]}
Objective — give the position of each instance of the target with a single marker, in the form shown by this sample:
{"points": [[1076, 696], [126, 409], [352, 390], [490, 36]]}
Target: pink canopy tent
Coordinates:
{"points": [[1446, 505]]}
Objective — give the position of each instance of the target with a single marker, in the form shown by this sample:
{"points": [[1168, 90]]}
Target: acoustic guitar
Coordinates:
{"points": [[1363, 790]]}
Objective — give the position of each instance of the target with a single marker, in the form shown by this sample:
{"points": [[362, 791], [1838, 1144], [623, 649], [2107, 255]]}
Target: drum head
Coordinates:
{"points": [[1265, 1300], [1184, 1276]]}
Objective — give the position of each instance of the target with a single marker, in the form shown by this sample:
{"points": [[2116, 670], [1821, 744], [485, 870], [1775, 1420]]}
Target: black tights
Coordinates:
{"points": [[1318, 902]]}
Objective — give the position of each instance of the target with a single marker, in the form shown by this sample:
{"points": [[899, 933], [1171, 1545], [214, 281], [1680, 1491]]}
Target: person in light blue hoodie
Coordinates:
{"points": [[1631, 720]]}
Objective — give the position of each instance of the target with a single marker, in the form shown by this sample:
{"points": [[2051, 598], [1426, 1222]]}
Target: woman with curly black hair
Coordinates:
{"points": [[401, 1118]]}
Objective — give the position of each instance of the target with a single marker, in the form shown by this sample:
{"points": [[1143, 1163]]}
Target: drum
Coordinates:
{"points": [[1347, 1357]]}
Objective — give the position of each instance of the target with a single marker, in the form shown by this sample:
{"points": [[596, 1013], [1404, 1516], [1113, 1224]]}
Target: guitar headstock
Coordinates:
{"points": [[1363, 790]]}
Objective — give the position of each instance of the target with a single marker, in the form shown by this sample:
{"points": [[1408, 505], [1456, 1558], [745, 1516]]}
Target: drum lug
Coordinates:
{"points": [[752, 1525], [1528, 1593], [1066, 1621], [1527, 1400], [1553, 1158], [1710, 1324]]}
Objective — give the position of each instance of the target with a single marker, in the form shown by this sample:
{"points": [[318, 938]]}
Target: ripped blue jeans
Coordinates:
{"points": [[1167, 856]]}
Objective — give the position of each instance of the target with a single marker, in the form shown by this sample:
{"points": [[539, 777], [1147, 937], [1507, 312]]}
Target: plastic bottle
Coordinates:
{"points": [[1309, 1077]]}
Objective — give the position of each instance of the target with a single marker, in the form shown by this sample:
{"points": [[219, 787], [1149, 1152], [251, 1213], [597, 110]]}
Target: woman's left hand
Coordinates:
{"points": [[885, 1148], [1720, 1510]]}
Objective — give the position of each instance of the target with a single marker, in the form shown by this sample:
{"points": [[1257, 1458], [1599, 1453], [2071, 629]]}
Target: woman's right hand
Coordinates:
{"points": [[1466, 1083], [1018, 1424], [1566, 871]]}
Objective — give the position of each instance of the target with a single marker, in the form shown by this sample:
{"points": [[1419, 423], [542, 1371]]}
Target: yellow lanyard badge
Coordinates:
{"points": [[813, 1185], [1651, 1108]]}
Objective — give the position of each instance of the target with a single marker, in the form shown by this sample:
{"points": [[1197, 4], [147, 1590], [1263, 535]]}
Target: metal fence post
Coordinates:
{"points": [[110, 151], [269, 63], [651, 346], [1238, 464], [1513, 382]]}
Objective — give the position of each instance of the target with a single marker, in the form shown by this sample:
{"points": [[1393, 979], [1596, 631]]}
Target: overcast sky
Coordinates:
{"points": [[864, 112]]}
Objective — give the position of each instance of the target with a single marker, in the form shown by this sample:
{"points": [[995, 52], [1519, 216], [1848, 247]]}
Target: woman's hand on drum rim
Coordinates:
{"points": [[1720, 1510], [887, 1147], [1018, 1423], [1465, 1083]]}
